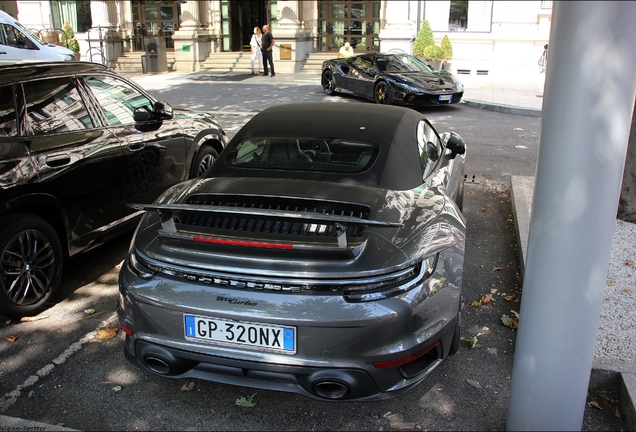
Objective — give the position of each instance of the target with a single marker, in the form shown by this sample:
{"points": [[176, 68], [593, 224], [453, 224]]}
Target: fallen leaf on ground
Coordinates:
{"points": [[32, 319], [611, 282], [188, 386], [515, 313], [495, 268], [486, 298], [594, 404], [117, 388], [494, 291], [628, 263], [510, 297], [500, 385], [476, 303], [626, 289], [472, 341], [474, 383], [403, 426], [509, 322], [246, 401], [12, 338], [89, 311], [388, 413], [521, 136], [60, 424], [484, 209], [107, 333]]}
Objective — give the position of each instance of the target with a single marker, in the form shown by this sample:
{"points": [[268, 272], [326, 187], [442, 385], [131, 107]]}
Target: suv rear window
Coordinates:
{"points": [[303, 154]]}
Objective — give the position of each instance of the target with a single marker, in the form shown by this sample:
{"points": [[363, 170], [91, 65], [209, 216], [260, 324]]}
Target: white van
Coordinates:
{"points": [[19, 43]]}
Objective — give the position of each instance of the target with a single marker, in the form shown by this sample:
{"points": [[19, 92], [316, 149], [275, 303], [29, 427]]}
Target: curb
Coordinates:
{"points": [[605, 374], [507, 109], [18, 424]]}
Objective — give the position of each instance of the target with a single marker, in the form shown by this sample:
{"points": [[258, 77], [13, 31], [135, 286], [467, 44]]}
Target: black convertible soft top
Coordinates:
{"points": [[393, 128]]}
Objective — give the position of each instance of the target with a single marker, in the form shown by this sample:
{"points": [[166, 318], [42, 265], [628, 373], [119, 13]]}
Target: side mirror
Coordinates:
{"points": [[141, 114], [456, 145], [162, 111]]}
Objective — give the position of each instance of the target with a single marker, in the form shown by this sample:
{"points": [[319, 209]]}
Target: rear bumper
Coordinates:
{"points": [[346, 351]]}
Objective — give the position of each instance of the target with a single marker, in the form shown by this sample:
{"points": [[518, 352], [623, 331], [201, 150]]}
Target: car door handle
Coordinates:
{"points": [[3, 52], [136, 145], [57, 161]]}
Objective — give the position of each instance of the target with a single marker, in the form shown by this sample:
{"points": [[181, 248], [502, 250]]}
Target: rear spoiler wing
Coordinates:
{"points": [[167, 212]]}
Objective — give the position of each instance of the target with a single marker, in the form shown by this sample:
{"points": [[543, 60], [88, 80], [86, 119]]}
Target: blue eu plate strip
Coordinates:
{"points": [[189, 324], [288, 339]]}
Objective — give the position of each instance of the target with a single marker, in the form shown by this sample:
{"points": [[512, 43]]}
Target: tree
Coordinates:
{"points": [[68, 37], [424, 38], [447, 47]]}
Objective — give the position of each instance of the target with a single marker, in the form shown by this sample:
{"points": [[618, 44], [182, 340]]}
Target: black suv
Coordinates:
{"points": [[77, 142]]}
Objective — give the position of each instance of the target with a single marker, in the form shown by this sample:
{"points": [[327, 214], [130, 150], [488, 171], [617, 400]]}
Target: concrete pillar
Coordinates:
{"points": [[399, 29], [627, 203], [292, 41], [103, 41], [586, 119], [192, 42]]}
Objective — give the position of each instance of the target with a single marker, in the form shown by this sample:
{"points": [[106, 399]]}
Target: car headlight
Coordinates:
{"points": [[409, 88], [66, 57]]}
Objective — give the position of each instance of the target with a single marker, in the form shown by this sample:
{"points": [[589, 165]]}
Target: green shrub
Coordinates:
{"points": [[424, 39], [433, 53], [68, 37], [447, 47]]}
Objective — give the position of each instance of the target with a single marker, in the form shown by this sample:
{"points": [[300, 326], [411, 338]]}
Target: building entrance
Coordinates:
{"points": [[353, 21], [238, 19], [155, 19]]}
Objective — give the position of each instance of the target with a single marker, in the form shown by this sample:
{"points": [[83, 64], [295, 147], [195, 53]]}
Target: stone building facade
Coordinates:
{"points": [[487, 36]]}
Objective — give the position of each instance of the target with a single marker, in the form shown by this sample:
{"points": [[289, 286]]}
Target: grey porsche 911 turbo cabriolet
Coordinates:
{"points": [[321, 255]]}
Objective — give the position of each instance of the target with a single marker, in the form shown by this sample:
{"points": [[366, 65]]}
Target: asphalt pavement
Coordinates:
{"points": [[82, 381]]}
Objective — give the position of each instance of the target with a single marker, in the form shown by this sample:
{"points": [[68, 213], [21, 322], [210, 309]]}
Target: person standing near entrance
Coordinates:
{"points": [[267, 44], [255, 44]]}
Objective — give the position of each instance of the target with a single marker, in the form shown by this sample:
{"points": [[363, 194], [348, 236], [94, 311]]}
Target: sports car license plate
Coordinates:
{"points": [[445, 98], [238, 333]]}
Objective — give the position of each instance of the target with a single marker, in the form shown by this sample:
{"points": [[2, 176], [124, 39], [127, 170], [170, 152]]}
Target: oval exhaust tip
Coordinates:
{"points": [[158, 365], [331, 389]]}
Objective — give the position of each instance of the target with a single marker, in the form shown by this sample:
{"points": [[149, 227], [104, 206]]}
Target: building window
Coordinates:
{"points": [[77, 13], [546, 4], [460, 15]]}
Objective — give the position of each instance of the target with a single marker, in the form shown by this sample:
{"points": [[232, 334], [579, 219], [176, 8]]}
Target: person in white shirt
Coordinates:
{"points": [[255, 45]]}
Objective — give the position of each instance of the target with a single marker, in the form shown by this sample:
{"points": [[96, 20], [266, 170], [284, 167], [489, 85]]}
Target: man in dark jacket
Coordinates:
{"points": [[267, 44]]}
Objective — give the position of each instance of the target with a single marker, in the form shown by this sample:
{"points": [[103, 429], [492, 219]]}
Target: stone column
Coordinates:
{"points": [[125, 24], [292, 42], [191, 41], [103, 42], [398, 30]]}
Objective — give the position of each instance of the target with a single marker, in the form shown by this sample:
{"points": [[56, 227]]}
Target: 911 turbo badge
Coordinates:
{"points": [[235, 301]]}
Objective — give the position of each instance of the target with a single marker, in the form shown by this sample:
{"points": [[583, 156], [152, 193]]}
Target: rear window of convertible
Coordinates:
{"points": [[304, 154]]}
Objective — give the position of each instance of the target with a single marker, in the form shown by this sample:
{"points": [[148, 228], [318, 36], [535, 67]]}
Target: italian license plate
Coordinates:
{"points": [[239, 333], [445, 98]]}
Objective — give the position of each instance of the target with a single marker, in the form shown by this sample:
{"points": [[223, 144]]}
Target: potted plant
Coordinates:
{"points": [[423, 39], [447, 47], [434, 56], [69, 40]]}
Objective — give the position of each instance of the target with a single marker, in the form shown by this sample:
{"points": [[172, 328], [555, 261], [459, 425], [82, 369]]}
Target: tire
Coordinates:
{"points": [[31, 263], [382, 93], [454, 345], [328, 83], [205, 159]]}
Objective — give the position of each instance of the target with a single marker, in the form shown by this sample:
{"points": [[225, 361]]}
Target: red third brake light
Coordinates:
{"points": [[243, 243], [405, 360]]}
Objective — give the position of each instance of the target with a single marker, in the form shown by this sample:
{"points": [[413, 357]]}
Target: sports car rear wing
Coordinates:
{"points": [[167, 212]]}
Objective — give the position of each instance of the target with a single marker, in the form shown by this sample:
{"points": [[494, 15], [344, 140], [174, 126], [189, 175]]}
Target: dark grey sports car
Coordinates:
{"points": [[393, 78], [322, 255]]}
